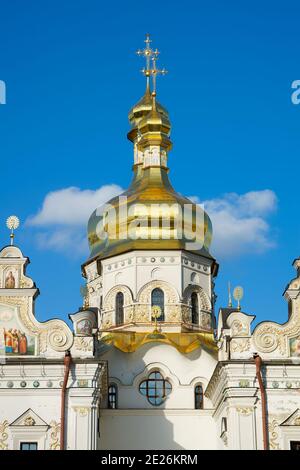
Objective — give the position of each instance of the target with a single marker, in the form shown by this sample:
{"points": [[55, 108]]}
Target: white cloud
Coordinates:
{"points": [[72, 206], [63, 218], [240, 222]]}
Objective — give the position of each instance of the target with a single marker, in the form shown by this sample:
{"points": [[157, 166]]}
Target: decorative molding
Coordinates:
{"points": [[144, 295], [239, 328], [204, 301], [81, 411], [240, 345], [110, 298], [29, 421], [245, 411], [54, 435], [273, 435], [84, 344], [269, 336], [3, 435]]}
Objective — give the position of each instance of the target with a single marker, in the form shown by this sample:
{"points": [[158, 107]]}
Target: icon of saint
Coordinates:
{"points": [[23, 344], [8, 341], [10, 281]]}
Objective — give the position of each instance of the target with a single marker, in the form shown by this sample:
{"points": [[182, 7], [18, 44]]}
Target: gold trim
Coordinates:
{"points": [[185, 343]]}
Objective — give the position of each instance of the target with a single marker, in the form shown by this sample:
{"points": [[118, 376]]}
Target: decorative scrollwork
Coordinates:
{"points": [[54, 435], [3, 435], [269, 336], [244, 411], [273, 432], [240, 345], [84, 344], [60, 339], [266, 338]]}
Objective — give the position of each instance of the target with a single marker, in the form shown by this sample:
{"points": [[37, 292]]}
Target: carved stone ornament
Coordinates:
{"points": [[3, 435], [142, 313], [110, 298], [60, 339], [173, 313], [273, 434], [240, 345], [54, 435], [204, 301], [81, 411], [269, 336], [238, 328], [171, 295], [129, 313], [84, 344], [245, 411], [29, 421]]}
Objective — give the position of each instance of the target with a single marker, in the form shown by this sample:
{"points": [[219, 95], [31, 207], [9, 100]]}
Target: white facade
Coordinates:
{"points": [[146, 365], [231, 416], [32, 370]]}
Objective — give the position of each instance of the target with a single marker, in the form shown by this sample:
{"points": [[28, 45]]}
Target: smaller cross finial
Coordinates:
{"points": [[148, 53], [154, 71], [229, 295], [12, 224]]}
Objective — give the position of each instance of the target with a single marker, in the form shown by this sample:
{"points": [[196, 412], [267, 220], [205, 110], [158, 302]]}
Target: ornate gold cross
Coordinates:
{"points": [[150, 55]]}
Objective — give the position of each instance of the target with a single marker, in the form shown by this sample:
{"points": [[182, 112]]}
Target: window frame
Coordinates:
{"points": [[152, 392], [119, 307], [29, 443], [195, 314], [113, 394], [160, 303], [197, 394]]}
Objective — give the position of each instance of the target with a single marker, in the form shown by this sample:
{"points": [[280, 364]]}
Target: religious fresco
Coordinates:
{"points": [[14, 341], [295, 346], [84, 327], [10, 281]]}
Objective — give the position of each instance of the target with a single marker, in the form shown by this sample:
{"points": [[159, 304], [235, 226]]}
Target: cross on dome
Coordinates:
{"points": [[151, 57]]}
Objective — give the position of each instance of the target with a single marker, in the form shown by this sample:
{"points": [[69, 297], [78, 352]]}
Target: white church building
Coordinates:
{"points": [[147, 363]]}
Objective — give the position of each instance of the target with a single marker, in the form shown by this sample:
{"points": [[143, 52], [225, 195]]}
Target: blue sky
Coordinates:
{"points": [[71, 77]]}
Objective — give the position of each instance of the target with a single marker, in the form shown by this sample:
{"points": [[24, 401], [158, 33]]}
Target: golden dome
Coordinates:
{"points": [[140, 110], [150, 215], [151, 201], [154, 128]]}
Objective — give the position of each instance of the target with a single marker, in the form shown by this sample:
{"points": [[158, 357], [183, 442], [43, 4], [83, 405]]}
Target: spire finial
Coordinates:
{"points": [[238, 294], [12, 224], [229, 296], [154, 71], [150, 55]]}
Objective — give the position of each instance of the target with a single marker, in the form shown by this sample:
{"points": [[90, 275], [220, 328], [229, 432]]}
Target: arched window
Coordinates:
{"points": [[195, 308], [155, 388], [119, 308], [157, 300], [113, 396], [198, 392]]}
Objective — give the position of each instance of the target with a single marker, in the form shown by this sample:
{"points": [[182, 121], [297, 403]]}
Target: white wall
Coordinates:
{"points": [[153, 429], [175, 424]]}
